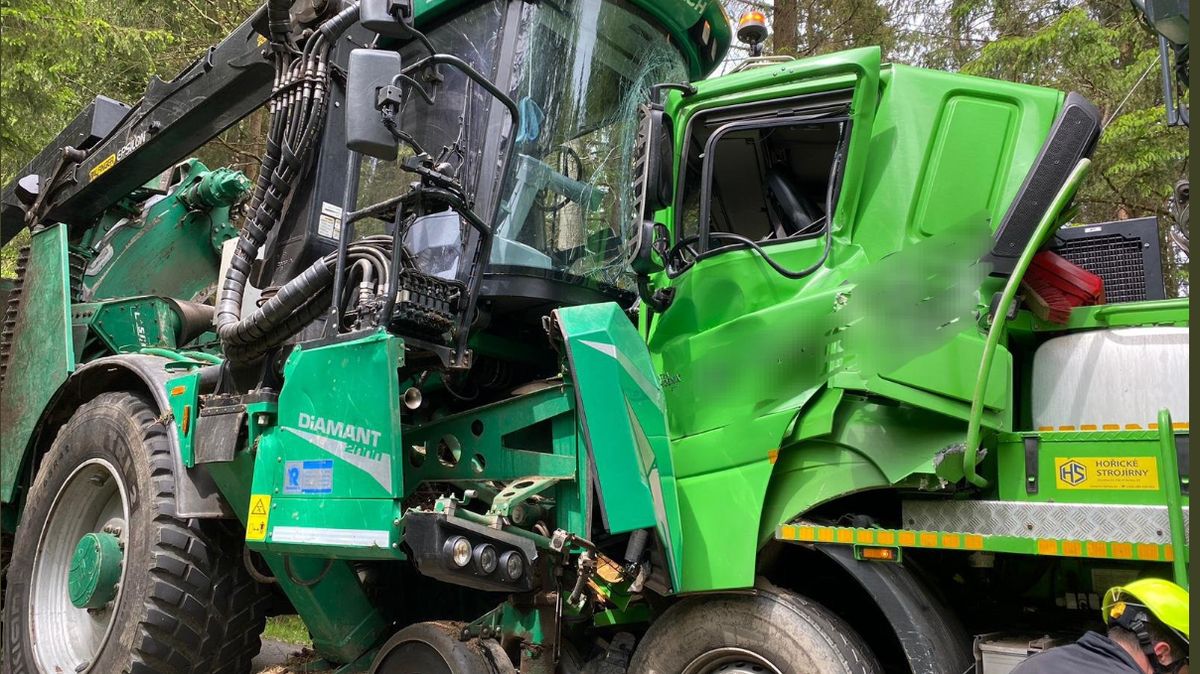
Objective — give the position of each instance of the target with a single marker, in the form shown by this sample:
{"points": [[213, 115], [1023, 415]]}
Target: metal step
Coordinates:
{"points": [[1079, 521]]}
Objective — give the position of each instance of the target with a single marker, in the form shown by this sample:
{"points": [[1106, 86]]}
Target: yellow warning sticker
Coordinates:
{"points": [[1107, 472], [99, 169], [256, 523]]}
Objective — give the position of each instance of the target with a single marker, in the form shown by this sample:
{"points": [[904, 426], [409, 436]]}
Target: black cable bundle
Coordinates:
{"points": [[298, 108], [304, 298]]}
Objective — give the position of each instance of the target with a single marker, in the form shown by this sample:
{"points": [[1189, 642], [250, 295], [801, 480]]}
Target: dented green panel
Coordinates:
{"points": [[41, 355], [622, 413]]}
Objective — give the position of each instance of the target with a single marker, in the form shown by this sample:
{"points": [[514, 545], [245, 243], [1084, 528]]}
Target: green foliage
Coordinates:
{"points": [[289, 629], [59, 55]]}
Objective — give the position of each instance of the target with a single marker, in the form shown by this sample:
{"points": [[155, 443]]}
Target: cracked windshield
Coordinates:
{"points": [[582, 71]]}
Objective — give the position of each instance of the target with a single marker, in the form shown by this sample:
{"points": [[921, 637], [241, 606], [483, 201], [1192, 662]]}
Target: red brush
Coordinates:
{"points": [[1053, 287], [1084, 287], [1046, 302]]}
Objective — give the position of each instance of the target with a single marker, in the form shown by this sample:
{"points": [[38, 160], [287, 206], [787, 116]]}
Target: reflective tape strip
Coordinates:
{"points": [[955, 540], [1153, 426]]}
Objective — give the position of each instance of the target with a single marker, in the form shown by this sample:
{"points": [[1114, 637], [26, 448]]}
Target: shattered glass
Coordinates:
{"points": [[581, 70]]}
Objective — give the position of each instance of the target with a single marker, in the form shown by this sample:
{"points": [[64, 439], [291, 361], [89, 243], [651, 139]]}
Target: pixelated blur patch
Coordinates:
{"points": [[914, 301]]}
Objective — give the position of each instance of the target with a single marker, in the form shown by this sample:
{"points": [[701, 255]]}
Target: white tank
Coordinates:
{"points": [[1118, 376]]}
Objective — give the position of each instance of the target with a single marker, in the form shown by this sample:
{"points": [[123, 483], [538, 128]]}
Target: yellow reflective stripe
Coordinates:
{"points": [[953, 540], [1153, 426]]}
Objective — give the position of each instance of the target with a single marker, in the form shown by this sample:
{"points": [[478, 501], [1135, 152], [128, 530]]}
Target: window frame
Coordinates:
{"points": [[827, 107]]}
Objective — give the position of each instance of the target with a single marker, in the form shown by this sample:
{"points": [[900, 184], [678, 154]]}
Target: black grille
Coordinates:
{"points": [[1125, 254]]}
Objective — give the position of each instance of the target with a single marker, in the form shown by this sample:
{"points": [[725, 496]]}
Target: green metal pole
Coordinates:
{"points": [[1044, 228], [1168, 470], [205, 357]]}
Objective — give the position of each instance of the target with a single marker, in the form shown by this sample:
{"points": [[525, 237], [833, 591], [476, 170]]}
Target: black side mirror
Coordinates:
{"points": [[653, 189], [652, 238], [370, 72], [654, 150], [652, 153]]}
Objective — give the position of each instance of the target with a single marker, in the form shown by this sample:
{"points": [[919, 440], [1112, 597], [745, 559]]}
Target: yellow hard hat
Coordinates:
{"points": [[1166, 601]]}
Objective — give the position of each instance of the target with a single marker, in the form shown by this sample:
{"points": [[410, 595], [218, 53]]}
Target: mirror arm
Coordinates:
{"points": [[466, 69], [682, 87], [657, 300]]}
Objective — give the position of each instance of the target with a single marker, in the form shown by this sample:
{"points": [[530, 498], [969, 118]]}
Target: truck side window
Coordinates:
{"points": [[772, 184], [769, 182]]}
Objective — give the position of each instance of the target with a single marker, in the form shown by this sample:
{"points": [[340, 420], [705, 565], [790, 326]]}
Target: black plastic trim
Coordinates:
{"points": [[1072, 137], [933, 640]]}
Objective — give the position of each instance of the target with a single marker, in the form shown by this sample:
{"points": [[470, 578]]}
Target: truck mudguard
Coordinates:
{"points": [[196, 493], [933, 640]]}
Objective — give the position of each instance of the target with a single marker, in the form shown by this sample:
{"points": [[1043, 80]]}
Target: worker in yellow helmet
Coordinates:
{"points": [[1147, 634]]}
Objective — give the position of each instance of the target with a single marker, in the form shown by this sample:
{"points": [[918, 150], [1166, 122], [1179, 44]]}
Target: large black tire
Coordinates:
{"points": [[175, 606], [727, 633], [431, 648], [240, 607]]}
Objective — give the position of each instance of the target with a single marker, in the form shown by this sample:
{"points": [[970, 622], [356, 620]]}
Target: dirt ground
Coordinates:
{"points": [[278, 657]]}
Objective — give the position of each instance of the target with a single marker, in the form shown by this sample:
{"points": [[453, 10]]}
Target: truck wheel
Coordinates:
{"points": [[431, 648], [105, 578], [772, 631]]}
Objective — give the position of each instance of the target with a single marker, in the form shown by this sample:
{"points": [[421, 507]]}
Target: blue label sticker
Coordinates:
{"points": [[308, 477]]}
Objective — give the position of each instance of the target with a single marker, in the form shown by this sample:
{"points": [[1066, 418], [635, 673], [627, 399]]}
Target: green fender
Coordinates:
{"points": [[842, 445], [621, 408]]}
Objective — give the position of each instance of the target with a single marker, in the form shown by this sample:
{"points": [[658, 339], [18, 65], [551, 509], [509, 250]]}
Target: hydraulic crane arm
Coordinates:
{"points": [[76, 184]]}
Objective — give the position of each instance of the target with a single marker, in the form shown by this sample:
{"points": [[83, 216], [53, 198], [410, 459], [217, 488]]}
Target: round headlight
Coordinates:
{"points": [[512, 564], [458, 549], [485, 558]]}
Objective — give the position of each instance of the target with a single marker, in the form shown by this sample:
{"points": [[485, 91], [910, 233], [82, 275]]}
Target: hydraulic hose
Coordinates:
{"points": [[279, 20], [298, 111]]}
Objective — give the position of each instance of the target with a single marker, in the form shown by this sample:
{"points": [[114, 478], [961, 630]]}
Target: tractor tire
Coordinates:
{"points": [[241, 605], [431, 648], [109, 475], [771, 631]]}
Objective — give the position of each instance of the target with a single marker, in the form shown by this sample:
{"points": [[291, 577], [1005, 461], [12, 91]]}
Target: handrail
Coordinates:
{"points": [[1146, 305], [1168, 470], [1045, 227]]}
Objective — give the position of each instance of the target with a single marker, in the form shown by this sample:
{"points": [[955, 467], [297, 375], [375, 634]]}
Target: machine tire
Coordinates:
{"points": [[705, 635], [241, 607], [167, 614], [431, 648]]}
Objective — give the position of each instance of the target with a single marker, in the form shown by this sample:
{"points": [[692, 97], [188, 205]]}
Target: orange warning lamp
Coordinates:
{"points": [[752, 30]]}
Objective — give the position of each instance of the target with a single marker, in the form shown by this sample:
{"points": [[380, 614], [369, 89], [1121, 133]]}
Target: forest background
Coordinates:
{"points": [[57, 55]]}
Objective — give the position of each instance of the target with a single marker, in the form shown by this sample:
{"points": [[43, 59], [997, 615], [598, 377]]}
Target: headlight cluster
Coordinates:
{"points": [[483, 558], [470, 554]]}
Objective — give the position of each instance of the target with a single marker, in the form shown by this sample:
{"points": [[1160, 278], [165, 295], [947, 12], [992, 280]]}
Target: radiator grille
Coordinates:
{"points": [[1117, 259]]}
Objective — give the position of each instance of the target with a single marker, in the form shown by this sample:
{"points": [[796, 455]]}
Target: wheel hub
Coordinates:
{"points": [[95, 570], [78, 569], [730, 660]]}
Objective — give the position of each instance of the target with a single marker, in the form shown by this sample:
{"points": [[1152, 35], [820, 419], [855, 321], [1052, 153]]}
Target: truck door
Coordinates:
{"points": [[769, 164], [767, 184]]}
